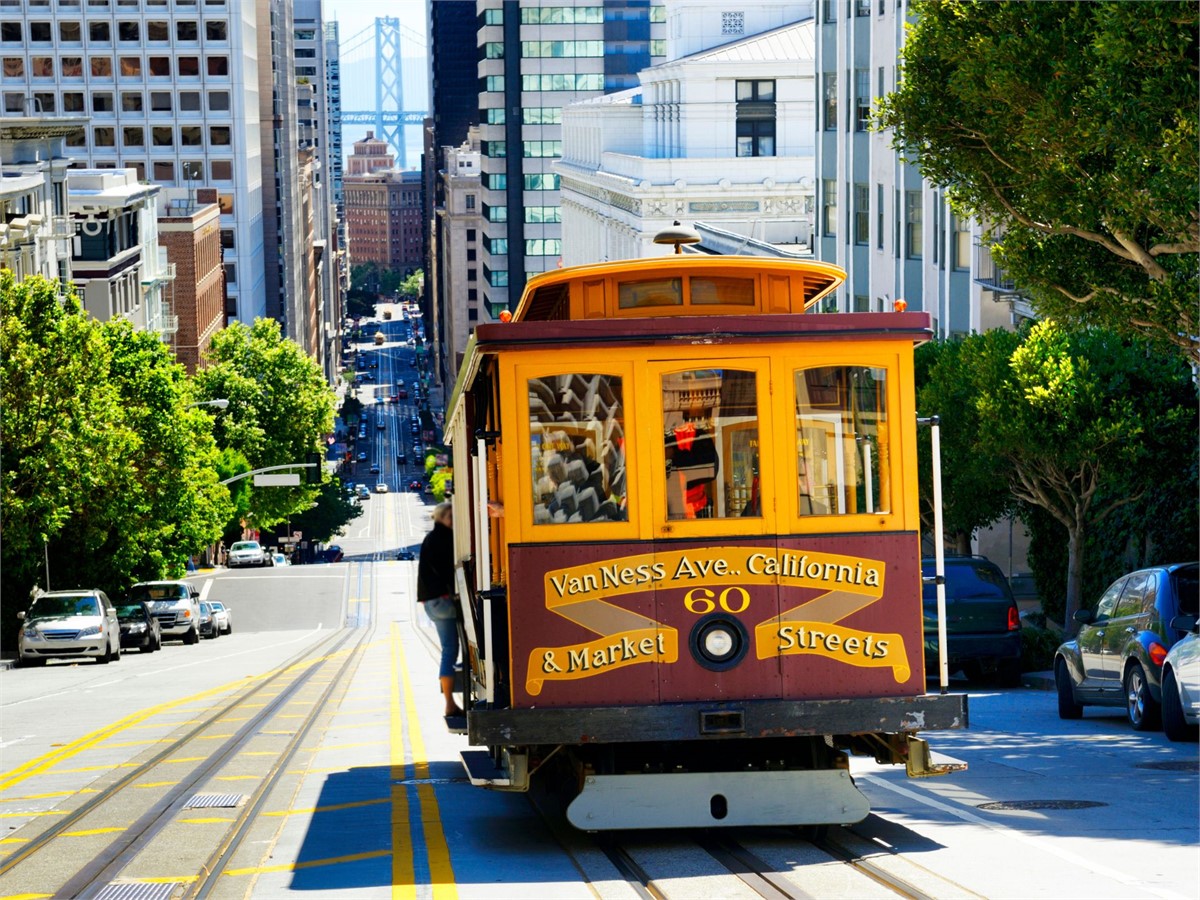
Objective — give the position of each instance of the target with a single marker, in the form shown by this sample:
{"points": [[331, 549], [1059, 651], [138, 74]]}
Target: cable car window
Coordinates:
{"points": [[842, 440], [577, 452], [722, 291], [659, 292], [710, 435]]}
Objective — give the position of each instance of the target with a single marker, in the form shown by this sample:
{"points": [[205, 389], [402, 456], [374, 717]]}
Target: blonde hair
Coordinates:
{"points": [[442, 511]]}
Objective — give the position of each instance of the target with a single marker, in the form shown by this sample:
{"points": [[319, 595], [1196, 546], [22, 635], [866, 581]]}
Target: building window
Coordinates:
{"points": [[159, 66], [495, 213], [469, 201], [543, 247], [831, 119], [128, 32], [562, 15], [494, 149], [218, 135], [72, 102], [160, 101], [218, 101], [755, 118], [561, 49], [541, 181], [102, 102], [471, 234], [495, 116], [72, 67], [862, 99], [133, 136], [541, 149], [829, 207], [101, 67], [191, 170], [163, 136], [912, 225], [218, 66], [862, 303], [493, 50], [497, 246], [862, 215], [10, 32], [493, 17], [879, 217], [191, 136], [494, 181], [498, 278], [98, 33], [829, 11], [157, 32], [215, 31], [494, 83], [104, 137], [186, 31], [189, 101], [189, 66], [231, 273], [222, 170], [164, 171], [540, 215], [962, 243], [541, 115], [131, 66], [862, 8], [563, 82], [131, 102]]}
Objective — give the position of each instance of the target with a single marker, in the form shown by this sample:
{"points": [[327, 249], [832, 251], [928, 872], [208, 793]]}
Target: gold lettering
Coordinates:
{"points": [[646, 645], [851, 645], [577, 660], [548, 663], [833, 642]]}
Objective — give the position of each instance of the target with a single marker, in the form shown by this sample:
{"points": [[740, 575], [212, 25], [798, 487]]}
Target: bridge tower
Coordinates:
{"points": [[389, 87]]}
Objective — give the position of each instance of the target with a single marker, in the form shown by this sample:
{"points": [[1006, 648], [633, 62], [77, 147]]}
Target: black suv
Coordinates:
{"points": [[983, 624]]}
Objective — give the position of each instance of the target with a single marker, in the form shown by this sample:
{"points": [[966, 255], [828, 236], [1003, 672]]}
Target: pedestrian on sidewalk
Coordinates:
{"points": [[435, 592]]}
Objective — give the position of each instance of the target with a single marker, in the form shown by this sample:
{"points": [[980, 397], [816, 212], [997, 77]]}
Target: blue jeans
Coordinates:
{"points": [[443, 612]]}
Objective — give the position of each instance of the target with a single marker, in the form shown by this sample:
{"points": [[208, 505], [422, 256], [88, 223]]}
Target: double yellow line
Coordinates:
{"points": [[441, 874]]}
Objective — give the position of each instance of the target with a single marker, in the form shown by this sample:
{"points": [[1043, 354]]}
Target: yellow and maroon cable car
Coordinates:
{"points": [[687, 538]]}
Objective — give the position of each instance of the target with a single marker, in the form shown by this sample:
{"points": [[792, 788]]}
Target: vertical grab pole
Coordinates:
{"points": [[483, 573], [939, 553]]}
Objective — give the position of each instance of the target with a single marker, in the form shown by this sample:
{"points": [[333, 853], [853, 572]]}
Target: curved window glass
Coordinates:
{"points": [[577, 449], [842, 440]]}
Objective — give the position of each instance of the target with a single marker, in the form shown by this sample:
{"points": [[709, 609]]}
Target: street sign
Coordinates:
{"points": [[282, 479]]}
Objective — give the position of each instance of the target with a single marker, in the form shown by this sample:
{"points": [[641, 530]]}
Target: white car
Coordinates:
{"points": [[381, 488], [279, 559], [69, 624], [247, 553], [1181, 688], [222, 617]]}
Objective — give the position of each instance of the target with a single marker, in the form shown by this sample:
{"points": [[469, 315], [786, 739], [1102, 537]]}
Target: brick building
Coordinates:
{"points": [[190, 230]]}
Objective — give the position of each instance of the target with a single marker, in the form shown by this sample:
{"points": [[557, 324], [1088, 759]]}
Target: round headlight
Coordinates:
{"points": [[719, 642]]}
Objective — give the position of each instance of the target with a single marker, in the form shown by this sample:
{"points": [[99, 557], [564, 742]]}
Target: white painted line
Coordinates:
{"points": [[1039, 842]]}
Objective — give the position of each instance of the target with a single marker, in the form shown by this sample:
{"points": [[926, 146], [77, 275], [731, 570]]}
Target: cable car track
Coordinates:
{"points": [[119, 823]]}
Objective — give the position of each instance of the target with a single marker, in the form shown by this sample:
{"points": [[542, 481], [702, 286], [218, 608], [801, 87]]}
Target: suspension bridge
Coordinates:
{"points": [[384, 78]]}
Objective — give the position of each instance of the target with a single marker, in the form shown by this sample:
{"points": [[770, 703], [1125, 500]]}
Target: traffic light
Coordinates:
{"points": [[312, 475]]}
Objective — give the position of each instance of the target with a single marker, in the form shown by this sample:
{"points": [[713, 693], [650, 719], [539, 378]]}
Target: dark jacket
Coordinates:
{"points": [[435, 571]]}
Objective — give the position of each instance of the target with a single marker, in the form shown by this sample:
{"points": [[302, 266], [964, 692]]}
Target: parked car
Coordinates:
{"points": [[176, 605], [1181, 684], [983, 624], [332, 553], [138, 628], [406, 555], [222, 616], [280, 559], [1118, 655], [247, 553], [69, 624], [381, 488], [208, 626]]}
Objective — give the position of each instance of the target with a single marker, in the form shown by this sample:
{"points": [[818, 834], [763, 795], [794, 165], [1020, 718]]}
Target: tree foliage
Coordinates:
{"points": [[1084, 420], [950, 376], [108, 476], [280, 410], [1070, 129]]}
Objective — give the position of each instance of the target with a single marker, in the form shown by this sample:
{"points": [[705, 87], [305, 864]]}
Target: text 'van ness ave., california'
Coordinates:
{"points": [[713, 565]]}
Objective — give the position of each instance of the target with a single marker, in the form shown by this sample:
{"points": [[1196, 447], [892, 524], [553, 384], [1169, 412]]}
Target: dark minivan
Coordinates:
{"points": [[983, 624]]}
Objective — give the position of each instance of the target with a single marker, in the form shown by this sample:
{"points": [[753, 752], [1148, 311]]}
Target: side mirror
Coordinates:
{"points": [[1084, 616], [1184, 623]]}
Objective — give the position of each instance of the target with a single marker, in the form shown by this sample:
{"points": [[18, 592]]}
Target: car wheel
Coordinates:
{"points": [[1068, 708], [107, 656], [1143, 711], [31, 662], [192, 636], [1175, 726]]}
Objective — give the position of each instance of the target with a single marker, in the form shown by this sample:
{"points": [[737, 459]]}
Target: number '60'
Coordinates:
{"points": [[700, 600]]}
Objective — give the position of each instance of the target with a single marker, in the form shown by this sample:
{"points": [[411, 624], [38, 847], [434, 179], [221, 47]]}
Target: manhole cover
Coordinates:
{"points": [[215, 801], [127, 890], [1173, 765], [1040, 804]]}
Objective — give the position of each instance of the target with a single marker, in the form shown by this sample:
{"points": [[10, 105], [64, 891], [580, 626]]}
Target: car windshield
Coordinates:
{"points": [[245, 545], [963, 582], [156, 592], [132, 611], [45, 607], [217, 606]]}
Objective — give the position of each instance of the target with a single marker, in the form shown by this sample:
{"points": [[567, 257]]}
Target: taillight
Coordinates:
{"points": [[1014, 618], [1157, 654]]}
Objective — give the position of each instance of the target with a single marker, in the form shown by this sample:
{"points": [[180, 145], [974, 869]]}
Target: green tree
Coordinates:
{"points": [[949, 377], [1081, 420], [280, 409], [328, 515], [1070, 129], [411, 287]]}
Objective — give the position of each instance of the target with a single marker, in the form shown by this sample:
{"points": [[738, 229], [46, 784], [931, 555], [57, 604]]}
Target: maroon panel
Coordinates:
{"points": [[822, 617]]}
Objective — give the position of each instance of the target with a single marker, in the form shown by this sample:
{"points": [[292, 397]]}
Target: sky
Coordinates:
{"points": [[355, 15]]}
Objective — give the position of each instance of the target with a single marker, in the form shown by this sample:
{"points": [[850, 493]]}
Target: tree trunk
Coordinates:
{"points": [[1074, 578]]}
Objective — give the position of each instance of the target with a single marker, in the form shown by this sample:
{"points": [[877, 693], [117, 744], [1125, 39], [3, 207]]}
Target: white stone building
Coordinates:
{"points": [[118, 267], [461, 234], [723, 136]]}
